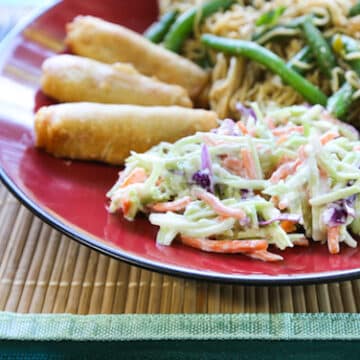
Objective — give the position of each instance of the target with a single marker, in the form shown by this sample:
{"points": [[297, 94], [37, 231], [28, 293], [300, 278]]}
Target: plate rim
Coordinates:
{"points": [[152, 265]]}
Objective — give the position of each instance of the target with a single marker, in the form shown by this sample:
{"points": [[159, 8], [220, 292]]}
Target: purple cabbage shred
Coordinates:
{"points": [[289, 217], [204, 176], [245, 193], [202, 179], [339, 212], [206, 159], [227, 127], [245, 111]]}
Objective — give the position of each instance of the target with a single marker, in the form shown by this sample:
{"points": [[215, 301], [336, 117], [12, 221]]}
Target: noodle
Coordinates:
{"points": [[239, 80]]}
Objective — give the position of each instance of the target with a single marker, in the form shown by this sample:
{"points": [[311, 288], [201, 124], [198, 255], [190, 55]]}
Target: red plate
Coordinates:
{"points": [[71, 195]]}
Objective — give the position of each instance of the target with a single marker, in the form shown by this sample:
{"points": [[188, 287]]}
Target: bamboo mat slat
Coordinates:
{"points": [[43, 271]]}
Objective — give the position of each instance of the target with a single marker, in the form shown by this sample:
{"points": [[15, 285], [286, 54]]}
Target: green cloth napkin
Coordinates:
{"points": [[122, 327]]}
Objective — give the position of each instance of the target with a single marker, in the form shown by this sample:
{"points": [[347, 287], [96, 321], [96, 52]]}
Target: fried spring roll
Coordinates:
{"points": [[107, 42], [103, 132], [70, 78]]}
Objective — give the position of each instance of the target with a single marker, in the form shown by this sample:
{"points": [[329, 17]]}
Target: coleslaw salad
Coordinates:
{"points": [[282, 178]]}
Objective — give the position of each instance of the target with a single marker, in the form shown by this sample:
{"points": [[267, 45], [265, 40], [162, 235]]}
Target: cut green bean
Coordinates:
{"points": [[157, 31], [339, 103], [305, 55], [319, 46], [271, 61], [184, 24], [355, 10]]}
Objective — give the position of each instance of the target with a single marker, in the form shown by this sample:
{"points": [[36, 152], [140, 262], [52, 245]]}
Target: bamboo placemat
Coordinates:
{"points": [[43, 271]]}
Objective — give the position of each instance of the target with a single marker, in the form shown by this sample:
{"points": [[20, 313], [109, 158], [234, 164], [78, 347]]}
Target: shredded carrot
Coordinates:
{"points": [[233, 164], [284, 160], [285, 170], [138, 175], [125, 205], [288, 130], [282, 139], [270, 122], [333, 237], [288, 226], [242, 127], [265, 255], [275, 200], [301, 242], [323, 172], [302, 153], [225, 246], [176, 205], [328, 136], [248, 163], [217, 205], [209, 141], [212, 142]]}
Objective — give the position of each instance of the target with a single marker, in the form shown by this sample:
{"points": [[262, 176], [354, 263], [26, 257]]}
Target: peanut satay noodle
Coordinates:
{"points": [[236, 80]]}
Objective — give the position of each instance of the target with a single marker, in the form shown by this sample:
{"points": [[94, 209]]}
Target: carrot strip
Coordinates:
{"points": [[302, 153], [125, 205], [248, 163], [176, 205], [217, 206], [138, 175], [285, 170], [301, 242], [242, 127], [284, 160], [212, 142], [225, 246], [288, 130], [328, 136], [265, 255], [288, 226], [275, 200], [333, 237], [282, 139], [270, 123], [233, 164]]}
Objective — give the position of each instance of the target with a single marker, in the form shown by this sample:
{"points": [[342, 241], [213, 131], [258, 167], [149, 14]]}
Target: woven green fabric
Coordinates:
{"points": [[179, 327]]}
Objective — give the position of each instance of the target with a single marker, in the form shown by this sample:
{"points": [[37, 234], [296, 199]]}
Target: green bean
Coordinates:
{"points": [[355, 10], [305, 55], [339, 103], [271, 61], [157, 31], [184, 24], [319, 47], [347, 45]]}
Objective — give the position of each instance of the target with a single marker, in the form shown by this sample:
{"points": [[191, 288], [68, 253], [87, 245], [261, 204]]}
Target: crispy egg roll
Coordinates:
{"points": [[104, 132], [70, 78], [107, 42]]}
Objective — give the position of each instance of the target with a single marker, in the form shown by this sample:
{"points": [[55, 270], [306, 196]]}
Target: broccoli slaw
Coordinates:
{"points": [[278, 179]]}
